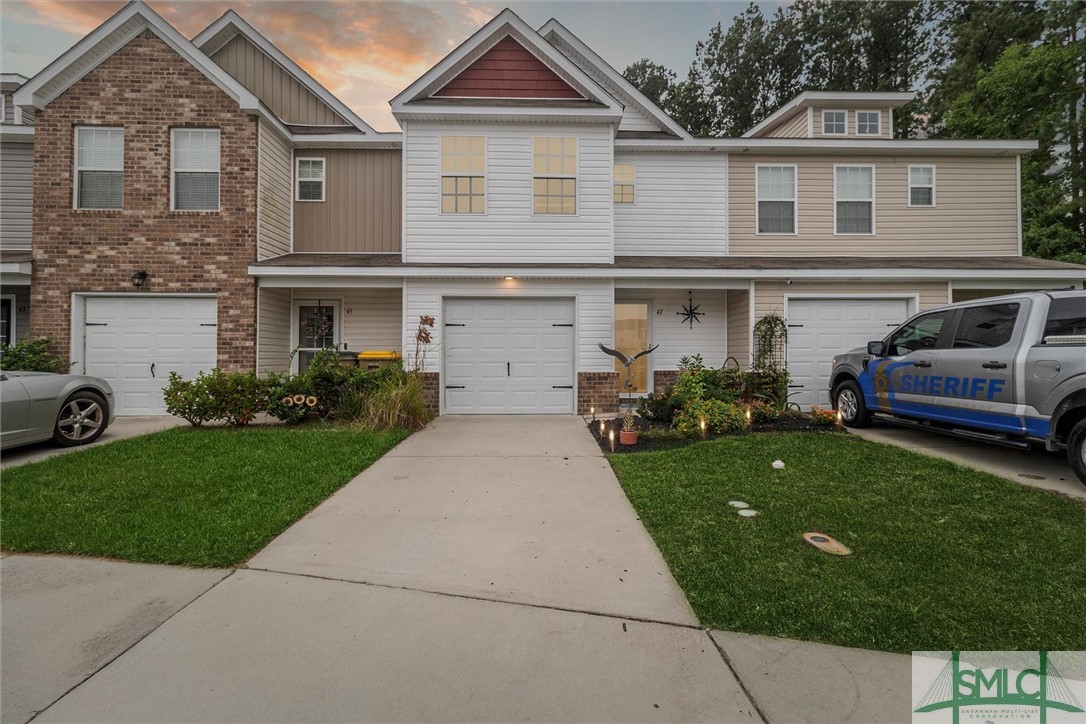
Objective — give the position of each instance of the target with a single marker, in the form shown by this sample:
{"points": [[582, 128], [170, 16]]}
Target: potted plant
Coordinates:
{"points": [[628, 434]]}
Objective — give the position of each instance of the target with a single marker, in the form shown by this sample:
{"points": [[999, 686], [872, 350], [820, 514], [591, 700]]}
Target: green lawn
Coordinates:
{"points": [[199, 497], [943, 556]]}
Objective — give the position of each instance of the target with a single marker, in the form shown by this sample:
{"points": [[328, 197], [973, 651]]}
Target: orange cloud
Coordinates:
{"points": [[363, 52]]}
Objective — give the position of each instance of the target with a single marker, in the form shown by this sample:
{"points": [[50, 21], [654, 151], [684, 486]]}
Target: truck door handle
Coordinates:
{"points": [[994, 365], [921, 364]]}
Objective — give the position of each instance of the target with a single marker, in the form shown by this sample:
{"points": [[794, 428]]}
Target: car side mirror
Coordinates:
{"points": [[877, 348]]}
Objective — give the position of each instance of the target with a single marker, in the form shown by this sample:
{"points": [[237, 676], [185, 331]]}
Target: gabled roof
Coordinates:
{"points": [[219, 33], [420, 94], [107, 39], [852, 99], [615, 83]]}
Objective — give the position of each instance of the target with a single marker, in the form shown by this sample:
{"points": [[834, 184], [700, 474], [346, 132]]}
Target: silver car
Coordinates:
{"points": [[68, 409]]}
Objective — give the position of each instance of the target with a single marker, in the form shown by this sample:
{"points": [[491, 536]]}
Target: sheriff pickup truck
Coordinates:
{"points": [[1009, 370]]}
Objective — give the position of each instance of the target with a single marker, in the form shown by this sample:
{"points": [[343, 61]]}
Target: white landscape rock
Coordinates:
{"points": [[778, 464]]}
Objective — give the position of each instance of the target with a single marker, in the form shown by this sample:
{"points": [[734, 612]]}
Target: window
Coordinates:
{"points": [[310, 180], [195, 157], [625, 176], [854, 199], [921, 186], [99, 168], [834, 123], [988, 326], [463, 174], [920, 333], [554, 170], [776, 199], [868, 123], [1066, 317], [318, 329]]}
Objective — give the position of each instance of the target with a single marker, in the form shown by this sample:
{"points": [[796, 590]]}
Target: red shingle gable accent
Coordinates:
{"points": [[507, 70]]}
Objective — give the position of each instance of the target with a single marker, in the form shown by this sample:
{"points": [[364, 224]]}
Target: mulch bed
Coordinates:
{"points": [[656, 435]]}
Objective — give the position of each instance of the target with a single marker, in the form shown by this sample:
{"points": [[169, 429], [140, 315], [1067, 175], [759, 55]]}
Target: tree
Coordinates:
{"points": [[652, 79]]}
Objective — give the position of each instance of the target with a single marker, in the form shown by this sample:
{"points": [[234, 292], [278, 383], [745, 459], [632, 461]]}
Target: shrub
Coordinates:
{"points": [[823, 418], [720, 417], [284, 391], [239, 395], [190, 400], [762, 412], [660, 407], [32, 355]]}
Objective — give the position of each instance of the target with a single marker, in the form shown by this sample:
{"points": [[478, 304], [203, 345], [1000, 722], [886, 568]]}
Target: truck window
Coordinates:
{"points": [[984, 327], [920, 333], [1066, 317]]}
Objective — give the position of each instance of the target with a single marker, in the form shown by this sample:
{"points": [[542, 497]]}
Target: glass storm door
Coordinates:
{"points": [[318, 328], [631, 337]]}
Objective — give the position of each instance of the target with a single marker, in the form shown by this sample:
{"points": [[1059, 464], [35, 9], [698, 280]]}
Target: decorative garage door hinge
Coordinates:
{"points": [[795, 325], [563, 325], [561, 387], [455, 387], [95, 324], [450, 324], [209, 324]]}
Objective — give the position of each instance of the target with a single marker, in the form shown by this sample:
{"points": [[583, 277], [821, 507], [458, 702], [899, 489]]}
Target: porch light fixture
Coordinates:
{"points": [[509, 279], [139, 277]]}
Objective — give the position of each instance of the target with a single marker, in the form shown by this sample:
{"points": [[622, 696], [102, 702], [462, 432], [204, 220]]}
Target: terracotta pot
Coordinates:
{"points": [[627, 437]]}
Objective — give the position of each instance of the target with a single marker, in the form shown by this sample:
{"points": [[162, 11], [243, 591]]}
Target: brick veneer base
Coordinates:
{"points": [[431, 391], [663, 378], [599, 390]]}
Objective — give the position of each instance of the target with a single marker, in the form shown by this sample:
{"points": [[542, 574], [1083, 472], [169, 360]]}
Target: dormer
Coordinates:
{"points": [[832, 115]]}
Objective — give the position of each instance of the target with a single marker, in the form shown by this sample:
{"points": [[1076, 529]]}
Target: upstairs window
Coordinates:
{"points": [[309, 184], [776, 199], [625, 178], [921, 186], [554, 175], [463, 174], [834, 123], [99, 168], [868, 123], [854, 199], [195, 159]]}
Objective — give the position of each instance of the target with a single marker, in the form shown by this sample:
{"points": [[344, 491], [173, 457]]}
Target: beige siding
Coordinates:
{"points": [[362, 207], [16, 194], [975, 211], [796, 127], [885, 129], [273, 330], [769, 296], [373, 319], [288, 99], [739, 326], [273, 195]]}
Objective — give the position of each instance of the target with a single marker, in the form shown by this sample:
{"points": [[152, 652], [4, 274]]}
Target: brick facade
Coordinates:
{"points": [[663, 378], [431, 391], [599, 390], [148, 89]]}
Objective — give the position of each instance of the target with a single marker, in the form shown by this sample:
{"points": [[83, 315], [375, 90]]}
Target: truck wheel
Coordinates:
{"points": [[1076, 450], [849, 401]]}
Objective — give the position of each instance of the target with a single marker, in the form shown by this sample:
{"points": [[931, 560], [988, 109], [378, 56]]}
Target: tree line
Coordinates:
{"points": [[981, 70]]}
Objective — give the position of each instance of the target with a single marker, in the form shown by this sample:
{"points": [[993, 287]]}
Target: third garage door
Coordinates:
{"points": [[508, 356]]}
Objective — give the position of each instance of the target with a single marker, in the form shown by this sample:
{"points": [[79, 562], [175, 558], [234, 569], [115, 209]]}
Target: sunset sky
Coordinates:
{"points": [[367, 52]]}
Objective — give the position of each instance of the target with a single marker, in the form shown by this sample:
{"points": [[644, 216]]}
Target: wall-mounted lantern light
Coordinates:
{"points": [[139, 277]]}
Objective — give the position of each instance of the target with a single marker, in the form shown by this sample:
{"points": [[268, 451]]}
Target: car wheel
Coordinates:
{"points": [[849, 402], [1076, 450], [82, 419]]}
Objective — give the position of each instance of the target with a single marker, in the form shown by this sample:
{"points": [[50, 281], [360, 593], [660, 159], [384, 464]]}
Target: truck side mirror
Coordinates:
{"points": [[877, 348]]}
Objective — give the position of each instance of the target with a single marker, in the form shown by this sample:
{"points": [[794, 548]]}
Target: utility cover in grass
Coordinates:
{"points": [[826, 544], [738, 504]]}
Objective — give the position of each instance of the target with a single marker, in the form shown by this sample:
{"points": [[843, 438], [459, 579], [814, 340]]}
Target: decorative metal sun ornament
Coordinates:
{"points": [[690, 313]]}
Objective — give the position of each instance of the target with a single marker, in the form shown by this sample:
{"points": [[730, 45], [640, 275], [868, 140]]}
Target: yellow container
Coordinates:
{"points": [[374, 358]]}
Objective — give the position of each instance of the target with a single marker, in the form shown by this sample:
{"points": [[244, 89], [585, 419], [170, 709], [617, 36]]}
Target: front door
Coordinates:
{"points": [[316, 328], [631, 337]]}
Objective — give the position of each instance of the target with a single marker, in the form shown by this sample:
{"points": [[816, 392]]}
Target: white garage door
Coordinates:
{"points": [[136, 342], [508, 356], [818, 329]]}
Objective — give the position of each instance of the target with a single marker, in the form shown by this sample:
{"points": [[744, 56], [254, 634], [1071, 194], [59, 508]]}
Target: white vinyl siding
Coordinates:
{"points": [[854, 199], [554, 175], [509, 232], [310, 179], [921, 186], [834, 123], [681, 205], [776, 199], [463, 174], [625, 183], [99, 168], [194, 158], [868, 123], [677, 338]]}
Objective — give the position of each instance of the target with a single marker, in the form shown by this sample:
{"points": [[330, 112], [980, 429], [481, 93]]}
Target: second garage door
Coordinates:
{"points": [[508, 356], [818, 329], [134, 343]]}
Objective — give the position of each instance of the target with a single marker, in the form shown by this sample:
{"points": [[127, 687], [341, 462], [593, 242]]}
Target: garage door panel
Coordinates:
{"points": [[832, 326]]}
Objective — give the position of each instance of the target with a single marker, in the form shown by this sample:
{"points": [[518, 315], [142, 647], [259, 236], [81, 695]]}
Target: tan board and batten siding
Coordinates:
{"points": [[678, 197], [885, 130], [361, 210], [273, 330], [975, 212], [16, 194], [274, 190], [288, 99]]}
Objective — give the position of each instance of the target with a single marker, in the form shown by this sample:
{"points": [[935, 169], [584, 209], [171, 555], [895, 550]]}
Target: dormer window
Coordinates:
{"points": [[834, 123], [554, 175], [868, 123], [463, 174]]}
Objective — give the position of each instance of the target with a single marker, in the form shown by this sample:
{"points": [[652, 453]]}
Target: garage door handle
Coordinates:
{"points": [[921, 364], [508, 373], [152, 370], [994, 365]]}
